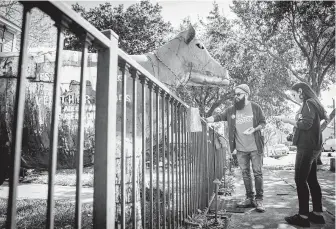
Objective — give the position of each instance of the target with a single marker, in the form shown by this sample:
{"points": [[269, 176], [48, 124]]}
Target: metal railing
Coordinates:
{"points": [[172, 170]]}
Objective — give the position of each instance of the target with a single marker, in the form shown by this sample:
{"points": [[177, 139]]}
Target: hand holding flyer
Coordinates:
{"points": [[279, 117], [249, 131]]}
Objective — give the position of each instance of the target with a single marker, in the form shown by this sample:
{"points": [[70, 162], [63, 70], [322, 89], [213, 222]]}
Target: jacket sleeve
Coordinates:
{"points": [[262, 119], [306, 121], [222, 116]]}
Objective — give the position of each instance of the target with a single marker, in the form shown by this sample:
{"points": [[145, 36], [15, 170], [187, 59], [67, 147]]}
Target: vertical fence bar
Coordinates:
{"points": [[201, 168], [168, 159], [134, 131], [193, 172], [123, 147], [200, 159], [150, 86], [186, 180], [164, 159], [196, 170], [216, 170], [176, 162], [157, 91], [183, 165], [180, 163], [207, 178], [18, 119], [54, 128], [105, 135], [189, 172], [80, 147], [191, 175], [143, 85], [215, 159], [173, 160]]}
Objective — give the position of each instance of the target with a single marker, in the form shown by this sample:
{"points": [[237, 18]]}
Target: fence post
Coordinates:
{"points": [[105, 136], [207, 164], [18, 120]]}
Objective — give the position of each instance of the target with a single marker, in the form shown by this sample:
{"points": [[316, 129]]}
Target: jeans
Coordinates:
{"points": [[305, 175], [256, 158]]}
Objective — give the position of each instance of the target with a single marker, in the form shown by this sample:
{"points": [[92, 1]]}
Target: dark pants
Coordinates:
{"points": [[305, 175]]}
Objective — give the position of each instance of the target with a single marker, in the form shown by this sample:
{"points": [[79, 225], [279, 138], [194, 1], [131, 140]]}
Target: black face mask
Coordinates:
{"points": [[239, 103]]}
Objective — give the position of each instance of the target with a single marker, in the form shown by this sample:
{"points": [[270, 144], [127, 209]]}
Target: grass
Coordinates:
{"points": [[290, 164], [31, 213], [64, 177]]}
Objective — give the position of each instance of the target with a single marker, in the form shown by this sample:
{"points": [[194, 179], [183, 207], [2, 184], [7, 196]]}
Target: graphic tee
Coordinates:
{"points": [[244, 120]]}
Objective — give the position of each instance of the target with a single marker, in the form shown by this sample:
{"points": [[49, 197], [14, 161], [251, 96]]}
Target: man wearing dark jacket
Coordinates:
{"points": [[245, 120]]}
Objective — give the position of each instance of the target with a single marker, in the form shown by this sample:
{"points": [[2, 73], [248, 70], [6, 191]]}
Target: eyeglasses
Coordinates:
{"points": [[239, 94]]}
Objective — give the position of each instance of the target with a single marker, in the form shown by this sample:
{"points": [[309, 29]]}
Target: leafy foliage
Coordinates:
{"points": [[140, 27], [300, 35]]}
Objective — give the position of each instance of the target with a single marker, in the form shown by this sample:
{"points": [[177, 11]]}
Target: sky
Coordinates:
{"points": [[176, 10]]}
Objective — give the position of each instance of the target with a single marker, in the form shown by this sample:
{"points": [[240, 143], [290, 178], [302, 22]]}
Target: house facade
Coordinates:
{"points": [[10, 34]]}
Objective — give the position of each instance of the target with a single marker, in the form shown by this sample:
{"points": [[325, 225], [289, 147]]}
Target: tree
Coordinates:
{"points": [[300, 35], [140, 27]]}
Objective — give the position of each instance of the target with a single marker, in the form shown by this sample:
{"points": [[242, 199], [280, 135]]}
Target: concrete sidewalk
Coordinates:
{"points": [[280, 200], [40, 191]]}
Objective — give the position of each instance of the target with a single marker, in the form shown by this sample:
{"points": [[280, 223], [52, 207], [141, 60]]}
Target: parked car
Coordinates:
{"points": [[278, 150], [292, 148], [329, 145]]}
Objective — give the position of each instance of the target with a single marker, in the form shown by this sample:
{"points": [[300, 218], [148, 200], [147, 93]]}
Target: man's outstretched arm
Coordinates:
{"points": [[210, 119]]}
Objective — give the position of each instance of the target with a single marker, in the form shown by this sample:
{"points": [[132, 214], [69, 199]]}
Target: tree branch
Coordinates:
{"points": [[325, 55], [283, 62], [287, 97], [325, 45], [206, 94], [211, 98], [6, 4], [303, 49], [321, 77], [217, 104]]}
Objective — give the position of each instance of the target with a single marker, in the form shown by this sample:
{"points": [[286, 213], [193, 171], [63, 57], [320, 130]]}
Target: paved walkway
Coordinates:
{"points": [[280, 200], [40, 191]]}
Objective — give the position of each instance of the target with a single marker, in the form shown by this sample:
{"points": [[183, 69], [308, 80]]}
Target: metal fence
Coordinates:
{"points": [[172, 170]]}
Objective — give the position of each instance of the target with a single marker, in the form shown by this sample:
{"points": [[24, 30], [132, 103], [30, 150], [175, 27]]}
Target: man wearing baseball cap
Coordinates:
{"points": [[245, 120]]}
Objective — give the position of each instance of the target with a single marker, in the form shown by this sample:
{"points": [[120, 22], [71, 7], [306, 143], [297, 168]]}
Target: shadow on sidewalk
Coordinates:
{"points": [[280, 200]]}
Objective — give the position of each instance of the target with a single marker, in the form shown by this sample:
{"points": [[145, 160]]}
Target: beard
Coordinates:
{"points": [[239, 103]]}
